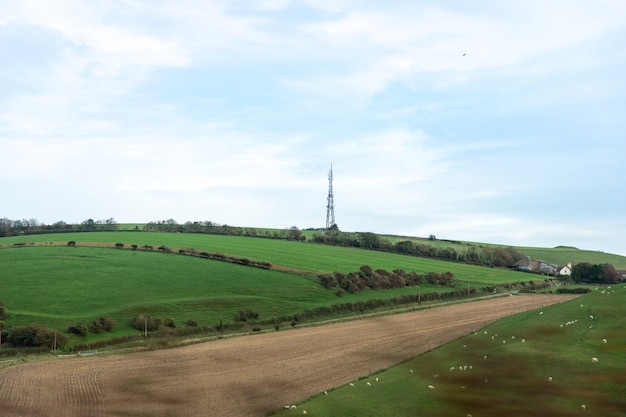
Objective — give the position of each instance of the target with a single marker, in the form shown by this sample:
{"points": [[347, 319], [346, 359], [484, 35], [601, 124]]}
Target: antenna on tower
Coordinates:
{"points": [[330, 205]]}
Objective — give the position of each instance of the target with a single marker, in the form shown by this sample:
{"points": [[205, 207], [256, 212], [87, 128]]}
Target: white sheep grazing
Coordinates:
{"points": [[594, 360], [325, 392], [369, 384], [591, 317], [540, 313], [431, 387], [523, 340], [376, 379], [351, 384], [293, 407], [411, 370], [304, 412], [485, 357], [603, 340], [451, 368], [584, 407], [549, 379]]}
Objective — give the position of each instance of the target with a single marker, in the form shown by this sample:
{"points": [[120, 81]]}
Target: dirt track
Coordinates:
{"points": [[241, 376]]}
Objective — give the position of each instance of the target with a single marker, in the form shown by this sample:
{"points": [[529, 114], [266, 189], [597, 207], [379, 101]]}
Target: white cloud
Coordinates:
{"points": [[234, 110]]}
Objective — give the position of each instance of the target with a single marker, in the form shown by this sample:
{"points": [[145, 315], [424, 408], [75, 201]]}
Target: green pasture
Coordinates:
{"points": [[57, 286], [563, 255], [307, 256], [544, 368]]}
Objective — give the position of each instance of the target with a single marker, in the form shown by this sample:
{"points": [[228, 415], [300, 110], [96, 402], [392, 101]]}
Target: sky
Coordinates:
{"points": [[487, 121]]}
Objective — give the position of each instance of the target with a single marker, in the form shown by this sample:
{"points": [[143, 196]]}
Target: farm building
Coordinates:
{"points": [[537, 265]]}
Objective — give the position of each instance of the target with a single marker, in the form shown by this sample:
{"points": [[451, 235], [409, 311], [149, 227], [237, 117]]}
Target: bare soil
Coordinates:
{"points": [[242, 376]]}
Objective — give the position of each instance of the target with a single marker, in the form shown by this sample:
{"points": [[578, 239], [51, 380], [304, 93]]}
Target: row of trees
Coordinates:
{"points": [[595, 274], [100, 325], [209, 227], [489, 256], [380, 279], [10, 227], [34, 335]]}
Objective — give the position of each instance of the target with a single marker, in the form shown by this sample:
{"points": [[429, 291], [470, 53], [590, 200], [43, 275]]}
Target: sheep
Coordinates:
{"points": [[523, 340], [325, 392], [540, 313], [549, 379], [411, 370], [431, 387], [376, 379], [351, 384], [594, 360], [304, 412], [369, 384], [293, 407], [591, 317], [603, 340], [584, 407], [485, 357]]}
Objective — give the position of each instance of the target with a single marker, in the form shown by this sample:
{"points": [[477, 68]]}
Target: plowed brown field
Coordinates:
{"points": [[242, 376]]}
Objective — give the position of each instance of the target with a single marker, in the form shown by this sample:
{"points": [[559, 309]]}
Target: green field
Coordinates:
{"points": [[58, 286], [307, 256], [514, 379]]}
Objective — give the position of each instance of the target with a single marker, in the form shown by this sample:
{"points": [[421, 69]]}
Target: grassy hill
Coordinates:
{"points": [[57, 285]]}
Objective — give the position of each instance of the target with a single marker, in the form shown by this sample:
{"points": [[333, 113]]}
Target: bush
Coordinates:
{"points": [[108, 324], [96, 327], [169, 323], [246, 314], [33, 336], [191, 323], [79, 329], [145, 323]]}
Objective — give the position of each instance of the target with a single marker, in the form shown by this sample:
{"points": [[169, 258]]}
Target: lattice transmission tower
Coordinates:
{"points": [[330, 205]]}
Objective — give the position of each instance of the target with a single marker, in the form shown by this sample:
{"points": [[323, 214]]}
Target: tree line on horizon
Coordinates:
{"points": [[19, 227]]}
